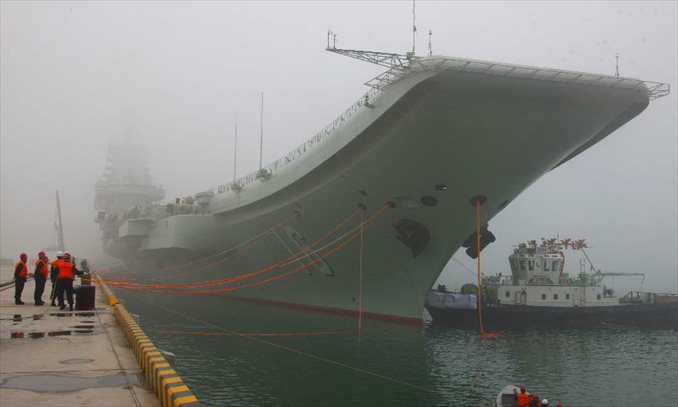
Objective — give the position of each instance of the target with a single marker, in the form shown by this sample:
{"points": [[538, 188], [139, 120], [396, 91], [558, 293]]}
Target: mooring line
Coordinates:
{"points": [[287, 348]]}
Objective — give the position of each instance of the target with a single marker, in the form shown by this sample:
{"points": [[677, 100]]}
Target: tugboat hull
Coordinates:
{"points": [[662, 315]]}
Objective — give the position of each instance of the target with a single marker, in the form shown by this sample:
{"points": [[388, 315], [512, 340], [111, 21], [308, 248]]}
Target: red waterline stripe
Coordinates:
{"points": [[330, 310], [322, 333]]}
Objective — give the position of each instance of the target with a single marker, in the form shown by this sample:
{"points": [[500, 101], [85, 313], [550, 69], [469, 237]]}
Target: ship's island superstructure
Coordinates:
{"points": [[433, 136]]}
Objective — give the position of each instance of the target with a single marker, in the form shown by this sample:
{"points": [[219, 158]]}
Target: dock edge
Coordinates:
{"points": [[164, 381]]}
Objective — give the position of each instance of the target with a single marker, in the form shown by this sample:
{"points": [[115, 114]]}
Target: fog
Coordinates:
{"points": [[174, 76]]}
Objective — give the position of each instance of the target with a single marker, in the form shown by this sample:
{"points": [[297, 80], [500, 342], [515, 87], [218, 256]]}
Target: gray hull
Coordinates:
{"points": [[474, 133]]}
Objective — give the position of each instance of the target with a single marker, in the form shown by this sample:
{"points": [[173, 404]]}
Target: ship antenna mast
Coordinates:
{"points": [[414, 27], [430, 50], [616, 65], [235, 150], [261, 138], [60, 237]]}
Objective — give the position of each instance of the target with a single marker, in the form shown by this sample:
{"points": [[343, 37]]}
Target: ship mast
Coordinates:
{"points": [[261, 138], [60, 229], [235, 151]]}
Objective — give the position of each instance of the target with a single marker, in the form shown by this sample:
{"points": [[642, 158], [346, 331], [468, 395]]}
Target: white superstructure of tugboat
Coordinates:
{"points": [[430, 135]]}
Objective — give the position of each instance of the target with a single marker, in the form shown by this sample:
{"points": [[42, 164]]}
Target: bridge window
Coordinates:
{"points": [[508, 294], [555, 296], [530, 265], [598, 296], [522, 265], [555, 265], [547, 264], [543, 296], [567, 296]]}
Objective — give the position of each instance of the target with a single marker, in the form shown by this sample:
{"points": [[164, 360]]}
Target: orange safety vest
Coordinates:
{"points": [[41, 267], [65, 270], [23, 272], [522, 399]]}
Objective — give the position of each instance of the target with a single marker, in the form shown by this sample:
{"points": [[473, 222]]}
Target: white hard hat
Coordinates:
{"points": [[60, 253], [544, 401]]}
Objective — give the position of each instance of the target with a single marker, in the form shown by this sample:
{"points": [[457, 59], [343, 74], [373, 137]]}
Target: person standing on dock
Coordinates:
{"points": [[40, 276], [20, 275], [65, 277], [53, 276]]}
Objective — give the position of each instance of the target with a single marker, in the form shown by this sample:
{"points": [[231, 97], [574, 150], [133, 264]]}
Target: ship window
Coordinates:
{"points": [[508, 294], [555, 296], [598, 296], [567, 296], [513, 265], [543, 296], [546, 265], [522, 265], [530, 265], [555, 265]]}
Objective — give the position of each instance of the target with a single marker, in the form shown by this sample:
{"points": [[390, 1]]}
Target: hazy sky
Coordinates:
{"points": [[75, 76]]}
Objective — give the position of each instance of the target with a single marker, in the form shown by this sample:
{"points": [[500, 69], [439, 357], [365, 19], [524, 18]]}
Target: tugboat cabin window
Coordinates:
{"points": [[530, 265], [567, 296], [522, 265], [543, 296], [555, 296], [546, 265], [508, 294]]}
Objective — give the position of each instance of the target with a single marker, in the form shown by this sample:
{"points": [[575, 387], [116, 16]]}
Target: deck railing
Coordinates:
{"points": [[655, 89]]}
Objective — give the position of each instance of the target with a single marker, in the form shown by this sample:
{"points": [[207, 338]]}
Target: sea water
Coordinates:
{"points": [[236, 353]]}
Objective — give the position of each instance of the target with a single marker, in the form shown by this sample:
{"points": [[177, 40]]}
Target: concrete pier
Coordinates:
{"points": [[52, 358]]}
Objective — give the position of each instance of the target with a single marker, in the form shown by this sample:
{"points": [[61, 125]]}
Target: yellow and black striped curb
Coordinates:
{"points": [[160, 376]]}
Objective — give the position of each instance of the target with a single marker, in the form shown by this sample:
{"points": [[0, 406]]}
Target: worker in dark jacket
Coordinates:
{"points": [[40, 276], [20, 275], [54, 272], [65, 277]]}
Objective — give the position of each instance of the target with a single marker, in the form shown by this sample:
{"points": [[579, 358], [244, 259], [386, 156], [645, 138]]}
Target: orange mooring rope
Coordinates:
{"points": [[483, 334], [370, 222], [203, 259], [295, 257]]}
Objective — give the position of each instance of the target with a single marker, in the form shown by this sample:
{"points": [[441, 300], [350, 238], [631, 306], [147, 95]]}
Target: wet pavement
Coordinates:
{"points": [[58, 358]]}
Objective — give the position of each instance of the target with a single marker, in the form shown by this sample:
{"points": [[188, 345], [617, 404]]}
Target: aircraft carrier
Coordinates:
{"points": [[362, 218]]}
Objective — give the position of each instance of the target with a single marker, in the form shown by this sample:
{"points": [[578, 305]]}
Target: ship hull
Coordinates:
{"points": [[426, 146]]}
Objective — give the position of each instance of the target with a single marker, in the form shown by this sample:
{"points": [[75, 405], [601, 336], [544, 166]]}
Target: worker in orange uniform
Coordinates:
{"points": [[522, 397], [40, 276], [54, 271], [65, 277], [20, 275]]}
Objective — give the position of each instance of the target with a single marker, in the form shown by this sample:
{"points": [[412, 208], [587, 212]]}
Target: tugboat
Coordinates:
{"points": [[539, 293]]}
